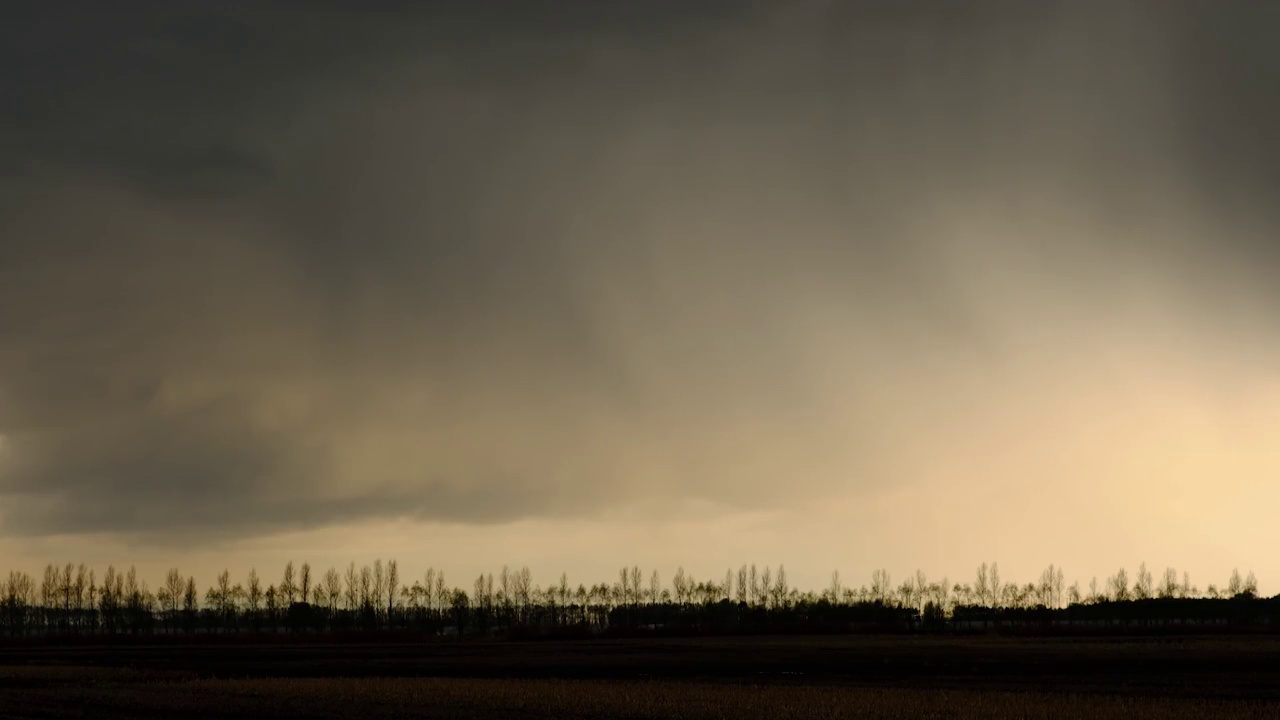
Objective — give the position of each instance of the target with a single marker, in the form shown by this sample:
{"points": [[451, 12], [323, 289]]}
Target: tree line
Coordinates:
{"points": [[71, 600]]}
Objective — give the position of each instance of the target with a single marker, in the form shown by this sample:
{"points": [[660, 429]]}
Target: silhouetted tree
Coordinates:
{"points": [[1169, 586], [332, 590], [678, 586], [223, 598], [190, 604], [524, 589], [459, 607], [92, 602], [980, 586], [393, 585], [288, 586], [1142, 584], [253, 597], [367, 606], [272, 601], [352, 588], [906, 593], [304, 582], [881, 585], [636, 578], [782, 590], [1118, 585], [69, 600], [170, 595], [109, 602]]}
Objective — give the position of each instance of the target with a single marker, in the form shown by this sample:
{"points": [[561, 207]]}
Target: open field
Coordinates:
{"points": [[871, 677], [128, 694]]}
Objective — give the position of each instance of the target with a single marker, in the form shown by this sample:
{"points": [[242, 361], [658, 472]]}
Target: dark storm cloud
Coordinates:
{"points": [[1228, 107], [269, 268]]}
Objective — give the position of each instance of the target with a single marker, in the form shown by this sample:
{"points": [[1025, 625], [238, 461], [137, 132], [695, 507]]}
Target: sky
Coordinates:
{"points": [[577, 285]]}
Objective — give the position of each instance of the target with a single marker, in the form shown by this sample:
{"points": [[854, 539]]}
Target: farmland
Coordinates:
{"points": [[778, 677]]}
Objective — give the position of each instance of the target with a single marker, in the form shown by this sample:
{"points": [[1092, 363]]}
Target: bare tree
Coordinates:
{"points": [[524, 589], [393, 587], [332, 589], [504, 588], [781, 589], [1169, 586], [92, 598], [132, 590], [636, 578], [489, 593], [171, 593], [352, 587], [621, 589], [304, 582], [366, 591], [881, 585], [78, 591], [271, 599], [108, 601], [190, 600], [253, 592], [65, 589], [429, 588], [1118, 585], [906, 594], [980, 585], [288, 587], [1046, 588], [1142, 584], [481, 601], [226, 598]]}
